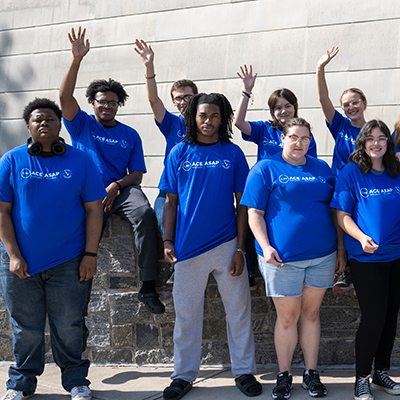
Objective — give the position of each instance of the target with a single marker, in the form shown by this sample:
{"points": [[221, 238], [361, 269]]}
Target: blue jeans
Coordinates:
{"points": [[57, 292], [159, 203]]}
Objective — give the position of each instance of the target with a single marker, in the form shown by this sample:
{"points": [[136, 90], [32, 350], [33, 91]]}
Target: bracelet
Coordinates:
{"points": [[119, 185], [168, 240], [340, 248], [89, 254], [248, 94], [241, 251], [150, 77]]}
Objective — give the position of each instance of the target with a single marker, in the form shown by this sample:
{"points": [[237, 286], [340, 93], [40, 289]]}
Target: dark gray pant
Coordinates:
{"points": [[132, 205]]}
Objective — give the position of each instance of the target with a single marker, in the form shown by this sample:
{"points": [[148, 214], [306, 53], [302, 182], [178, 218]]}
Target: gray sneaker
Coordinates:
{"points": [[16, 395], [81, 393]]}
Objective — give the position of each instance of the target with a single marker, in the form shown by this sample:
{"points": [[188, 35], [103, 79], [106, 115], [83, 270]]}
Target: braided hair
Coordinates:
{"points": [[225, 132]]}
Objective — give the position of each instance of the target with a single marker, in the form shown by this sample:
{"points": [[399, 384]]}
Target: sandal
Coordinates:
{"points": [[248, 385], [152, 302], [177, 389]]}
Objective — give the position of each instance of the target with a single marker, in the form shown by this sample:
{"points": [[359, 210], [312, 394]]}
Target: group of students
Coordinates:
{"points": [[308, 220]]}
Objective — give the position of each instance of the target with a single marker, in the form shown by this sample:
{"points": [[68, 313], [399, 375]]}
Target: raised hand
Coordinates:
{"points": [[247, 77], [326, 58], [145, 51], [79, 47]]}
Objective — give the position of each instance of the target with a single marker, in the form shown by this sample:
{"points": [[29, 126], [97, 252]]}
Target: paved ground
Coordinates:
{"points": [[147, 383]]}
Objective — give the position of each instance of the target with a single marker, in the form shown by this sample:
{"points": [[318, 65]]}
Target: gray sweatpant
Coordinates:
{"points": [[191, 277]]}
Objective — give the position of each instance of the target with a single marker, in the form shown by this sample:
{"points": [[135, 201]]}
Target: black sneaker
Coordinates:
{"points": [[343, 280], [362, 390], [283, 386], [382, 381], [312, 383]]}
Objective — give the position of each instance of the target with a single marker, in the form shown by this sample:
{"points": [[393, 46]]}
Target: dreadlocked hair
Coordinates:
{"points": [[361, 158], [225, 132]]}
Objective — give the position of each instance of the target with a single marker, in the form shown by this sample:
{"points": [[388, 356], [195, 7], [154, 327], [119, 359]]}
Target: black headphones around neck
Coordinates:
{"points": [[58, 148]]}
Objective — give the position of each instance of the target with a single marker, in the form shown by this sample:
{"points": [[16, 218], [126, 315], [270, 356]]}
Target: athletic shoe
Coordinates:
{"points": [[343, 280], [382, 381], [312, 383], [362, 390], [81, 393], [15, 395], [283, 386]]}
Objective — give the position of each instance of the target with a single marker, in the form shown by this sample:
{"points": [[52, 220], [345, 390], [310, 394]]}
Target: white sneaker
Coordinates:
{"points": [[15, 395], [81, 393]]}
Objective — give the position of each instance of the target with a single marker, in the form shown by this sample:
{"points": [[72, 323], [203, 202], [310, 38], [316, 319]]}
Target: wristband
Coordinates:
{"points": [[248, 94], [119, 185], [150, 77], [241, 251], [89, 254]]}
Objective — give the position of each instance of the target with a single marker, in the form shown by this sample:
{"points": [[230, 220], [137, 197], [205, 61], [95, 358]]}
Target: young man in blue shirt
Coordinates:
{"points": [[115, 148], [50, 224], [205, 234]]}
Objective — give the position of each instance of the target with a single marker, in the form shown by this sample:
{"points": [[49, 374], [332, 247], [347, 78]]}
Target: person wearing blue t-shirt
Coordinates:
{"points": [[117, 152], [203, 176], [50, 223], [367, 197], [344, 129], [172, 126], [283, 106], [288, 198]]}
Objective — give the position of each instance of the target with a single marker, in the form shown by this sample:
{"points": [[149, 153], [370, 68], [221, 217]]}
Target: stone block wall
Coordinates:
{"points": [[122, 330]]}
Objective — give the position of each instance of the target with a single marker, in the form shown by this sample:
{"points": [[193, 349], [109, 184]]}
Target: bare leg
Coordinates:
{"points": [[288, 312], [309, 325]]}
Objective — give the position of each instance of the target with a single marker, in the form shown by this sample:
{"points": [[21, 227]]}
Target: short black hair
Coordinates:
{"points": [[225, 131], [101, 85], [41, 103]]}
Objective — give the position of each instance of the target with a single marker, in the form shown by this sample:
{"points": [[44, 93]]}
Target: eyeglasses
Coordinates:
{"points": [[296, 139], [185, 98], [112, 104], [380, 140], [354, 103]]}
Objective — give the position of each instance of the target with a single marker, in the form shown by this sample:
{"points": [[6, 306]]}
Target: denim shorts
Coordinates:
{"points": [[288, 280]]}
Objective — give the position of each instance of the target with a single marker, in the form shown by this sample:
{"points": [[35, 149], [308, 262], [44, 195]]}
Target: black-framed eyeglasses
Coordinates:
{"points": [[111, 103]]}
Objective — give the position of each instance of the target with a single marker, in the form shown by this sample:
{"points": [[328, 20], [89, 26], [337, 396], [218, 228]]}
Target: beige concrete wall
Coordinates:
{"points": [[205, 41]]}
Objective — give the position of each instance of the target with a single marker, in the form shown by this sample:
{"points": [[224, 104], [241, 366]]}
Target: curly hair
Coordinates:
{"points": [[181, 84], [273, 100], [101, 85], [225, 131], [40, 103], [361, 158]]}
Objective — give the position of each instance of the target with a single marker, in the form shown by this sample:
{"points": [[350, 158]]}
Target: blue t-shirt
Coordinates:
{"points": [[296, 200], [115, 151], [205, 178], [373, 203], [173, 128], [48, 196], [269, 140], [344, 135]]}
